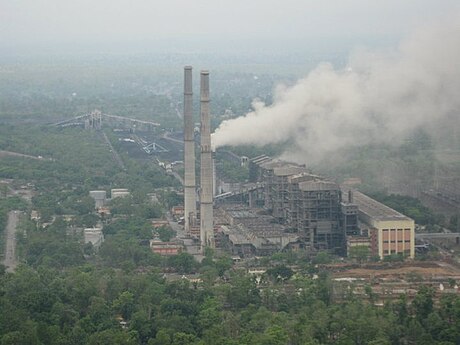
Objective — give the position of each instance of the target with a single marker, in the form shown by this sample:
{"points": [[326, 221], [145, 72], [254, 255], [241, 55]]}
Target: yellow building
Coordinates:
{"points": [[390, 232]]}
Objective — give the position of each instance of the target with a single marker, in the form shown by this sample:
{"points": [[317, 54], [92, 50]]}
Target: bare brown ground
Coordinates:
{"points": [[425, 269]]}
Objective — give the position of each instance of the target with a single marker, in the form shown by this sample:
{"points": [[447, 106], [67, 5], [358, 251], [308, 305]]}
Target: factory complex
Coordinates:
{"points": [[283, 206]]}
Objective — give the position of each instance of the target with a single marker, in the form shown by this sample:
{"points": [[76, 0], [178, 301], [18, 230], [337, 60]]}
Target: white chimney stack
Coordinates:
{"points": [[189, 152], [206, 200]]}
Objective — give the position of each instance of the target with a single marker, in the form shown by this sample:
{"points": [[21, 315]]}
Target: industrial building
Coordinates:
{"points": [[313, 208], [390, 232]]}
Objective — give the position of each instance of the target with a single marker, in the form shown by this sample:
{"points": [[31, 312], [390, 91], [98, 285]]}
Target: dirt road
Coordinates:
{"points": [[10, 234]]}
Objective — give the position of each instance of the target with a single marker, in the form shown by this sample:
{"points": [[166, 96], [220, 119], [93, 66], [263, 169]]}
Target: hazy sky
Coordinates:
{"points": [[28, 24]]}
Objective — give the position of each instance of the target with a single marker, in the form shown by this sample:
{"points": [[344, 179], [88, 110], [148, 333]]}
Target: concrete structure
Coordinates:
{"points": [[119, 192], [99, 196], [245, 233], [94, 236], [390, 231], [189, 153], [206, 195]]}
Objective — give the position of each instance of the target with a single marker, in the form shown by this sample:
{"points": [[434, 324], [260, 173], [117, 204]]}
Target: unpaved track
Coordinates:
{"points": [[10, 234]]}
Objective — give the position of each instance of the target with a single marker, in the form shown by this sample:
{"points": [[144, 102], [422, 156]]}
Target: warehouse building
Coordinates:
{"points": [[390, 232]]}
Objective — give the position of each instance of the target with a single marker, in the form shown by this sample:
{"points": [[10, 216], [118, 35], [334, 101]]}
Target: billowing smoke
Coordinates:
{"points": [[379, 97]]}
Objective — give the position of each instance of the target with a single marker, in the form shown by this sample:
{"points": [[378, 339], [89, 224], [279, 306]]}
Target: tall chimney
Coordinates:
{"points": [[350, 196], [189, 152], [206, 200]]}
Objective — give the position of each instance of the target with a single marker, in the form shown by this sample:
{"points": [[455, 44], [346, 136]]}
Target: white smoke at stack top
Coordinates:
{"points": [[206, 199], [189, 152]]}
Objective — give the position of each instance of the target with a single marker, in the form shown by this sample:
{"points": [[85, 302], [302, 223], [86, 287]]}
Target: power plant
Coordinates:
{"points": [[289, 208], [206, 166]]}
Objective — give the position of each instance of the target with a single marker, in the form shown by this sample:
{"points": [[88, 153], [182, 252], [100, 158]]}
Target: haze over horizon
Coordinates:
{"points": [[122, 27]]}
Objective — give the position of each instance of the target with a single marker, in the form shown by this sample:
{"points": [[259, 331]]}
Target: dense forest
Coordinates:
{"points": [[95, 304]]}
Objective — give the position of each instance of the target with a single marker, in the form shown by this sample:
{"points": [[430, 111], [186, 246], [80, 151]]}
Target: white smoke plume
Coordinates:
{"points": [[379, 97]]}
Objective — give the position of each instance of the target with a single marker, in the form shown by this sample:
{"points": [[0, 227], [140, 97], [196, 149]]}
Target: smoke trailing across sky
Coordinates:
{"points": [[379, 97]]}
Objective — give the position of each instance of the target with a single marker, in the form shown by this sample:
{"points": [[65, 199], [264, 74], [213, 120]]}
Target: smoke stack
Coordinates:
{"points": [[214, 177], [206, 200], [350, 196], [189, 151]]}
